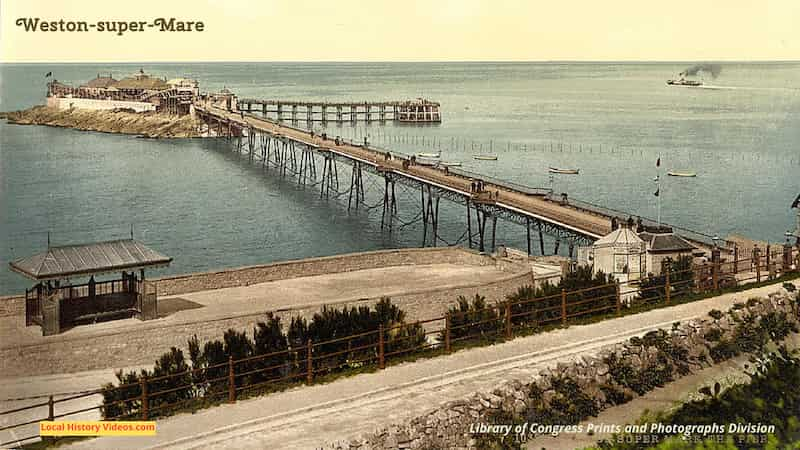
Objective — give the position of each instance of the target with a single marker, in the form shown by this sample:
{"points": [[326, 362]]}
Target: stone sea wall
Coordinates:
{"points": [[595, 380]]}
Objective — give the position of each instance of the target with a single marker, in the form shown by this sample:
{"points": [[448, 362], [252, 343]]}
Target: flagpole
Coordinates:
{"points": [[658, 190]]}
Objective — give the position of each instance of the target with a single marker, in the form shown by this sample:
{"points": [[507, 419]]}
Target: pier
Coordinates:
{"points": [[300, 153], [416, 111]]}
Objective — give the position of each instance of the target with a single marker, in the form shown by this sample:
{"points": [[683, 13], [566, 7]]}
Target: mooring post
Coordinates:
{"points": [[563, 307], [619, 297]]}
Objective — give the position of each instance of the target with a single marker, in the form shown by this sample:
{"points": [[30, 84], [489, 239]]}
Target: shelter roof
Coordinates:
{"points": [[89, 259]]}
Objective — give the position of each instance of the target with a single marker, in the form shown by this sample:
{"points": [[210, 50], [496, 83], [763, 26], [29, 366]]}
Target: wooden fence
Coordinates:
{"points": [[149, 397]]}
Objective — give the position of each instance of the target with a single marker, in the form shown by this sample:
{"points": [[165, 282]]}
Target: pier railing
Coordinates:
{"points": [[152, 397]]}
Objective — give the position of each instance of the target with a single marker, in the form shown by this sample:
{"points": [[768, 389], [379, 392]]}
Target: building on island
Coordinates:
{"points": [[140, 92]]}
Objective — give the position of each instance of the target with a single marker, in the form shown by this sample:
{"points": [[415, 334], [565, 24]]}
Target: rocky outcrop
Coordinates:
{"points": [[592, 383], [148, 124]]}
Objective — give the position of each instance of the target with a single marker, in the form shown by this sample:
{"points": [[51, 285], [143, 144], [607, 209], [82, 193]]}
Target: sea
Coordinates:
{"points": [[201, 203]]}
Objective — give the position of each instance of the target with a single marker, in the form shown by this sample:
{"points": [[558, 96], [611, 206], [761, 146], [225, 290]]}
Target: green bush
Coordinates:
{"points": [[473, 320]]}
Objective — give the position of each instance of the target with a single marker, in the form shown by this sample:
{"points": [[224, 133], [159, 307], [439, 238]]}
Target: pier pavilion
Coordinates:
{"points": [[56, 304]]}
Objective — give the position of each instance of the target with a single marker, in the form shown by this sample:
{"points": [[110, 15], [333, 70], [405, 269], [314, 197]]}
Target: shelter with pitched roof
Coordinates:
{"points": [[621, 253], [55, 303]]}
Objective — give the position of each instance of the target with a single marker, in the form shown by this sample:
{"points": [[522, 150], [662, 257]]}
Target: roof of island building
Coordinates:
{"points": [[142, 81], [89, 259], [665, 242], [101, 82]]}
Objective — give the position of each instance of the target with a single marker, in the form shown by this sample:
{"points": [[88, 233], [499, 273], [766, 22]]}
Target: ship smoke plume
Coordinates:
{"points": [[713, 69]]}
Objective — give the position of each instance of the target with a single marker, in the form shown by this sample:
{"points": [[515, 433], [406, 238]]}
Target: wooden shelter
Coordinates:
{"points": [[55, 304]]}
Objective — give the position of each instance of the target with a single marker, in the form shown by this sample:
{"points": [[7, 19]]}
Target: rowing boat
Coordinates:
{"points": [[564, 171], [682, 174], [450, 164], [485, 157], [428, 155]]}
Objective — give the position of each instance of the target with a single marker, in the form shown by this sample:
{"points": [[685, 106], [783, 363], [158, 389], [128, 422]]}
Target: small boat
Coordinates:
{"points": [[450, 164], [429, 155], [485, 157], [682, 174], [564, 171]]}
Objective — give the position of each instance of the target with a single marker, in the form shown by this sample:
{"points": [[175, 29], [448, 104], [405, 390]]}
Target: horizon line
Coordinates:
{"points": [[464, 61]]}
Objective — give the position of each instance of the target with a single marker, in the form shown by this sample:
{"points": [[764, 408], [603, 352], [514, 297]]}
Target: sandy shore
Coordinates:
{"points": [[149, 124]]}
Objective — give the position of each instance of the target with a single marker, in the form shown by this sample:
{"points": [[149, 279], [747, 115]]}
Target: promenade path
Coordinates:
{"points": [[318, 415], [21, 346], [579, 220]]}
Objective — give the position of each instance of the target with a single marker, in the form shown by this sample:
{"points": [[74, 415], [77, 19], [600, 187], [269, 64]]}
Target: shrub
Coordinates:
{"points": [[473, 320]]}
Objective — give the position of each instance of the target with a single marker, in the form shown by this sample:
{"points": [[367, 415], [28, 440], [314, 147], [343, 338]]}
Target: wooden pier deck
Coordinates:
{"points": [[534, 205], [417, 110]]}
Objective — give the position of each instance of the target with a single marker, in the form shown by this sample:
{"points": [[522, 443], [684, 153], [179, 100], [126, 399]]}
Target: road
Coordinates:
{"points": [[316, 416]]}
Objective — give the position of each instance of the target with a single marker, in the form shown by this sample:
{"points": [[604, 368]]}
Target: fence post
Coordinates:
{"points": [[769, 262], [231, 381], [757, 258], [735, 259], [309, 363], [619, 298], [381, 360], [145, 398], [563, 307], [447, 332], [667, 286], [50, 409], [508, 320]]}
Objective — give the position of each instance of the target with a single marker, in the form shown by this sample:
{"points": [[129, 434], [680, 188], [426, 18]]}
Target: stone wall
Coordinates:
{"points": [[142, 344], [245, 276], [13, 305], [686, 348], [91, 103]]}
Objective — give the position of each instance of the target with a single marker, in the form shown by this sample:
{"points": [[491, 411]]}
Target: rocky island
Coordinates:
{"points": [[151, 124]]}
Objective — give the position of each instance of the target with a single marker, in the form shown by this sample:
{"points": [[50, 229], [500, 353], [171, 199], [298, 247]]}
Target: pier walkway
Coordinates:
{"points": [[573, 221]]}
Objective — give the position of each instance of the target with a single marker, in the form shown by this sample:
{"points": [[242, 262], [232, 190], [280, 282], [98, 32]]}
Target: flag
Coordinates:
{"points": [[658, 162], [657, 192], [49, 74]]}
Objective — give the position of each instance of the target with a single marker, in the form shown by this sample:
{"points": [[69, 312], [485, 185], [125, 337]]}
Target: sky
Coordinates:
{"points": [[411, 30]]}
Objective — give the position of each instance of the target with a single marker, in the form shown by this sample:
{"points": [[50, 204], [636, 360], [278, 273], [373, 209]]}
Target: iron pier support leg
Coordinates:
{"points": [[555, 250], [571, 249], [436, 221], [424, 217], [386, 205], [528, 232], [494, 231], [481, 218], [469, 225], [541, 239]]}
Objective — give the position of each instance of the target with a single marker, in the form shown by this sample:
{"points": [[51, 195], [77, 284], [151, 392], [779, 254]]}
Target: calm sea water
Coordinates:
{"points": [[208, 208]]}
